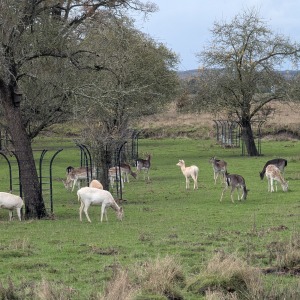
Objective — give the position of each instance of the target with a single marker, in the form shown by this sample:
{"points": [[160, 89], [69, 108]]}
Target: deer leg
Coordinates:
{"points": [[80, 211], [238, 192], [272, 185], [195, 182], [103, 212], [226, 187], [74, 183], [187, 183], [231, 194], [269, 185], [86, 207], [10, 213], [19, 213]]}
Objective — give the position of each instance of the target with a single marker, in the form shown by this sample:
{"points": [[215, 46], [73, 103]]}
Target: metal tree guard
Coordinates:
{"points": [[135, 145], [51, 185], [118, 161], [86, 157], [10, 171], [228, 133]]}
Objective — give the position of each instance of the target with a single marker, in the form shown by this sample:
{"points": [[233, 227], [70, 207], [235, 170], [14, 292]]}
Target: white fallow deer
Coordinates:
{"points": [[144, 164], [96, 184], [11, 202], [188, 172], [236, 182], [280, 163], [92, 196], [273, 174], [219, 167]]}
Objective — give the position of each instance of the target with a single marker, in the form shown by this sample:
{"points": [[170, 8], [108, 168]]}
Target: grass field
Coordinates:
{"points": [[162, 219]]}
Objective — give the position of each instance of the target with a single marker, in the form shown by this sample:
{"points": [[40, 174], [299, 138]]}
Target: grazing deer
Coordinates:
{"points": [[127, 171], [144, 164], [92, 196], [280, 163], [74, 176], [219, 167], [236, 182], [273, 174], [11, 202], [114, 175], [188, 172]]}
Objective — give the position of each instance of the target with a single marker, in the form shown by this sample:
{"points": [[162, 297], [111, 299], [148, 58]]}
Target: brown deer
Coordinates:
{"points": [[144, 164], [219, 167], [236, 182], [74, 176], [127, 171]]}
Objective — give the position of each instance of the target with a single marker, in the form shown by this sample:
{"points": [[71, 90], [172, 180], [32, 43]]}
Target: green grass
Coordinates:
{"points": [[161, 218]]}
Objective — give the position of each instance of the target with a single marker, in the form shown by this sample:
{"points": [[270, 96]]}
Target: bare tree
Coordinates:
{"points": [[139, 80], [34, 36], [239, 75]]}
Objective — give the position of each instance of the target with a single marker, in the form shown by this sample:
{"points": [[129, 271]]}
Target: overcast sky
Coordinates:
{"points": [[184, 26]]}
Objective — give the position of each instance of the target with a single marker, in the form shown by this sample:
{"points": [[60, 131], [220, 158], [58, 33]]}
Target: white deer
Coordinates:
{"points": [[144, 164], [219, 167], [92, 196], [11, 202], [273, 174], [188, 172], [96, 184], [236, 182]]}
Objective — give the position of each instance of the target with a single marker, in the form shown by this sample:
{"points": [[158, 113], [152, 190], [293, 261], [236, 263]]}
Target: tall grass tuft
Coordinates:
{"points": [[46, 290], [286, 254], [10, 292], [119, 287], [229, 276], [161, 276]]}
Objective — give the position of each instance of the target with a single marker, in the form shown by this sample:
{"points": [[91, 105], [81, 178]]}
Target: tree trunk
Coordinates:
{"points": [[248, 138], [32, 196], [105, 162]]}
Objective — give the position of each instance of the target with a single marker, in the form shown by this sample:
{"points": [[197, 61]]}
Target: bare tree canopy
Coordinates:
{"points": [[138, 79], [39, 60], [239, 74]]}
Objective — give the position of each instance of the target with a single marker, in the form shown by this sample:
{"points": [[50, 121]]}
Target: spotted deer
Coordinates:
{"points": [[127, 171], [75, 176], [114, 175], [236, 182], [219, 167], [280, 163], [273, 174], [144, 164]]}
